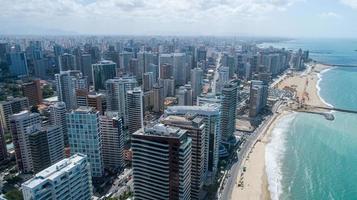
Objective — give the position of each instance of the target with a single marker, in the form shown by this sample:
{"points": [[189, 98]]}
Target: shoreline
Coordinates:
{"points": [[253, 183]]}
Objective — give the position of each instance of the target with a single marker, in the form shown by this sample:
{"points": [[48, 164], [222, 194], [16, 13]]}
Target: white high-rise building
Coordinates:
{"points": [[22, 125], [58, 118], [68, 179], [85, 137], [161, 163], [112, 141]]}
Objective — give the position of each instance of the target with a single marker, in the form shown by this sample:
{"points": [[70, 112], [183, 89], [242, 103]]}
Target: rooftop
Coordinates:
{"points": [[161, 130], [200, 110], [55, 170], [84, 109]]}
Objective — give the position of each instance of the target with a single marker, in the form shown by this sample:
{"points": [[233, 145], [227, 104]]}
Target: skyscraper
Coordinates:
{"points": [[116, 94], [36, 147], [228, 110], [148, 81], [135, 109], [91, 99], [258, 97], [67, 82], [3, 149], [33, 92], [166, 71], [46, 146], [67, 62], [211, 115], [111, 126], [103, 71], [223, 78], [196, 82], [9, 107], [85, 137], [195, 128], [158, 98], [86, 66], [58, 118], [70, 179], [144, 59], [184, 95], [161, 163], [17, 63], [180, 68]]}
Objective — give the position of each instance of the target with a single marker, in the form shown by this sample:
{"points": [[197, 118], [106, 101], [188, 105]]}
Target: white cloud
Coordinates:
{"points": [[85, 15], [330, 15], [351, 3]]}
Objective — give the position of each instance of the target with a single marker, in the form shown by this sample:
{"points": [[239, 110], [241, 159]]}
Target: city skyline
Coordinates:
{"points": [[272, 18]]}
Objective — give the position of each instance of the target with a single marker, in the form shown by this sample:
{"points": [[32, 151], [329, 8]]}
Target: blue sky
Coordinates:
{"points": [[289, 18]]}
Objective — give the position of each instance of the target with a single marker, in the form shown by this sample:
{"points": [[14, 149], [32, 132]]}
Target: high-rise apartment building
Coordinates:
{"points": [[111, 126], [33, 92], [36, 147], [68, 179], [158, 93], [85, 137], [211, 117], [58, 118], [67, 82], [134, 103], [228, 110], [116, 94], [161, 163], [196, 82], [258, 97], [195, 127], [46, 146], [3, 149], [67, 62], [22, 125], [9, 107], [148, 81]]}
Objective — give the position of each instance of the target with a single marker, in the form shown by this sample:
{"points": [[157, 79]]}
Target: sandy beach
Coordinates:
{"points": [[252, 183]]}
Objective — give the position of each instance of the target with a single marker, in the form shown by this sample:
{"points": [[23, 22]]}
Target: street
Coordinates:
{"points": [[225, 192]]}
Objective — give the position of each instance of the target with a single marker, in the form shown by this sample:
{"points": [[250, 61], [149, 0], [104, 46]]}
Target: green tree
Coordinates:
{"points": [[47, 91], [14, 194]]}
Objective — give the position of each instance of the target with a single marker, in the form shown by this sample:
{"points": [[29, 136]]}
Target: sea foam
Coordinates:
{"points": [[319, 75], [274, 153]]}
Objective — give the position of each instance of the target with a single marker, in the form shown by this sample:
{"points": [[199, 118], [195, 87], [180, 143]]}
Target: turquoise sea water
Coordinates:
{"points": [[310, 157]]}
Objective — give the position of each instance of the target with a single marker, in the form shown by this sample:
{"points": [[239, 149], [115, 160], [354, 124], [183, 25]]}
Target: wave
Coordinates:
{"points": [[319, 75], [274, 153]]}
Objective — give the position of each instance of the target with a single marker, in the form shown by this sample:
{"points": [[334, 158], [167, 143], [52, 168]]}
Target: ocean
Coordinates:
{"points": [[308, 156]]}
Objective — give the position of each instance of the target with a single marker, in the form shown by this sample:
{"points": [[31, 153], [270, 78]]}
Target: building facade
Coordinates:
{"points": [[85, 137], [161, 163], [68, 179]]}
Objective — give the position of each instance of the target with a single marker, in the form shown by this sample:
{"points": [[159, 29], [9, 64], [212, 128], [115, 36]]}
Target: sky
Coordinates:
{"points": [[282, 18]]}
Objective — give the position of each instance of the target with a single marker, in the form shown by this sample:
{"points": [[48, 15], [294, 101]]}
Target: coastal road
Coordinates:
{"points": [[237, 167]]}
